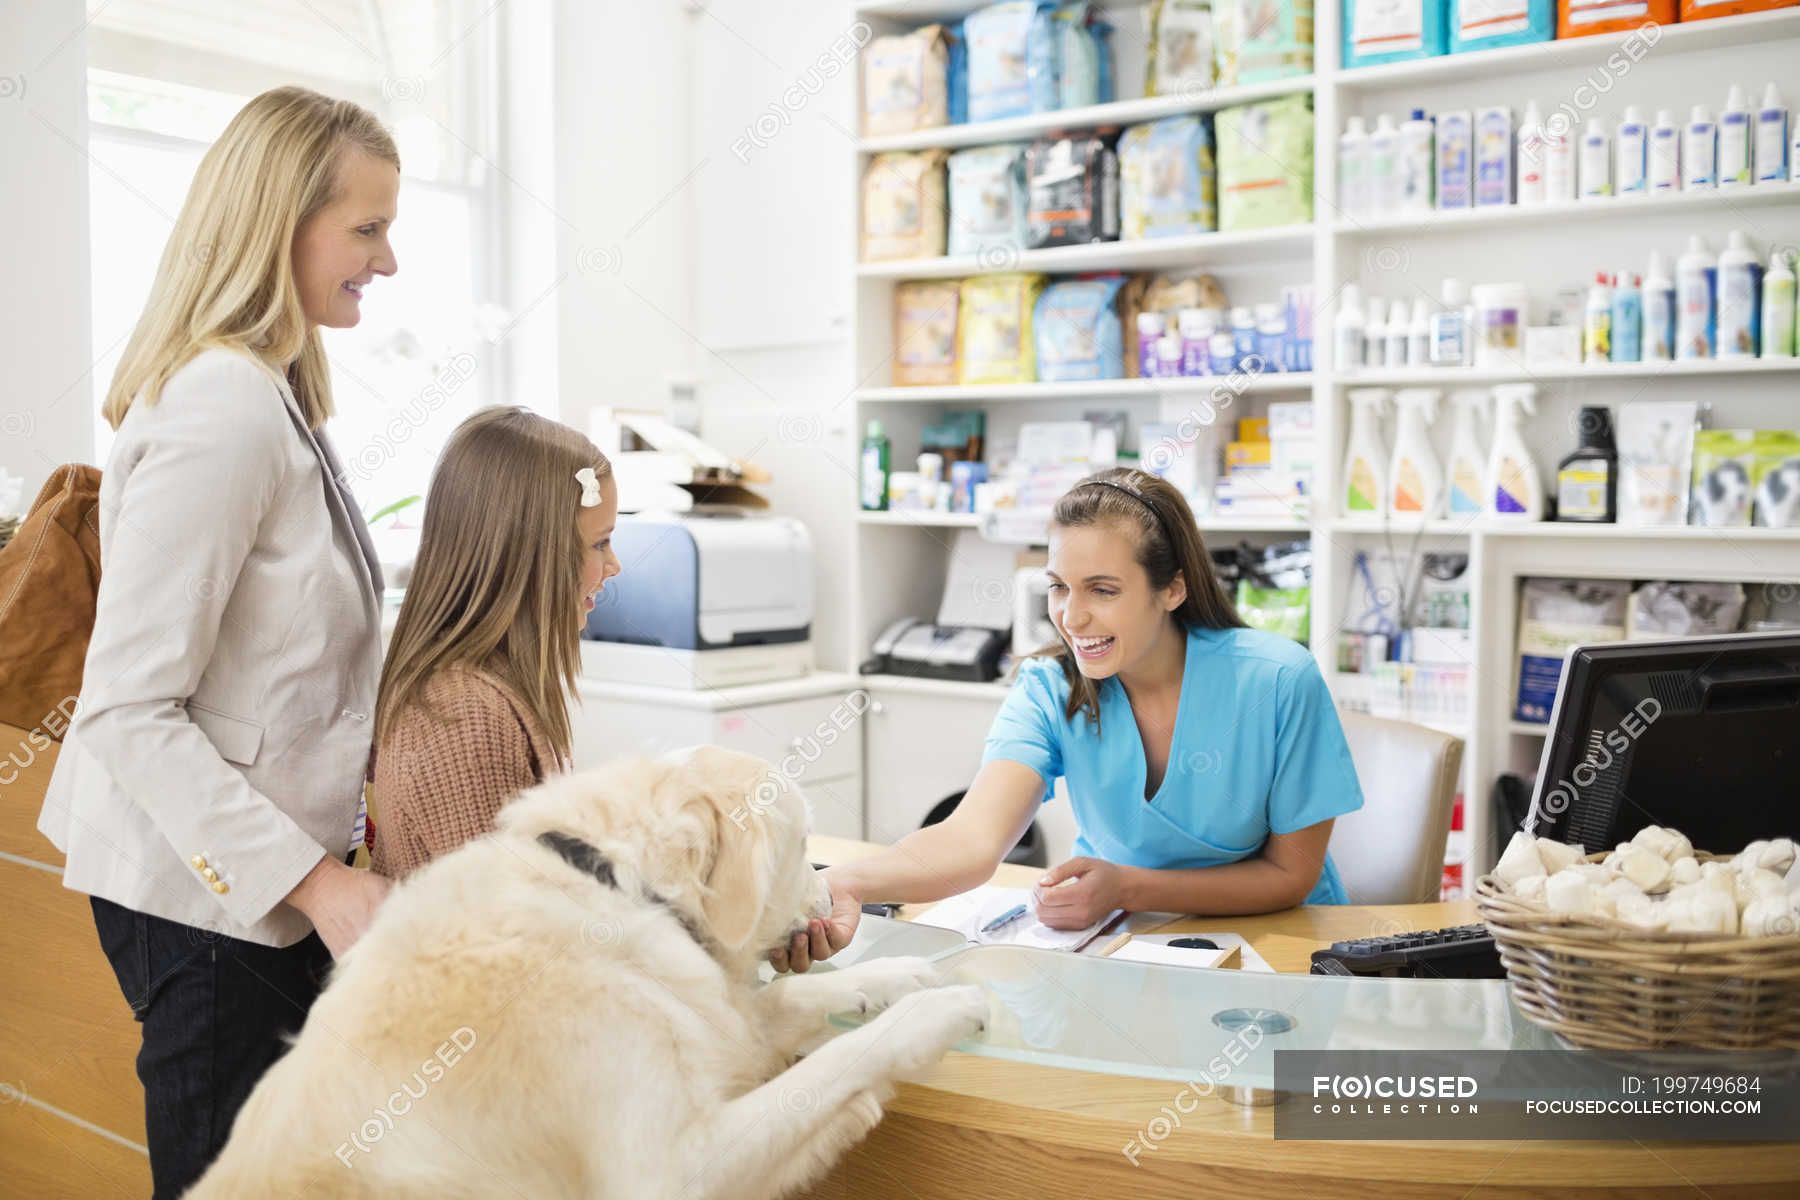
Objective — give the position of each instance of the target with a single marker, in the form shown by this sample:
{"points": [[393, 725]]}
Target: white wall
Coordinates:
{"points": [[693, 251], [45, 401]]}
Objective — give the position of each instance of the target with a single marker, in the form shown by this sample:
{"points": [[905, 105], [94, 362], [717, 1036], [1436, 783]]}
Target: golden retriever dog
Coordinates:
{"points": [[569, 1007]]}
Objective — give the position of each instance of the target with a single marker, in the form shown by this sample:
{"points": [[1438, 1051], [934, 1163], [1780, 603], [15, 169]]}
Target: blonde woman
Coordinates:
{"points": [[482, 665], [207, 795]]}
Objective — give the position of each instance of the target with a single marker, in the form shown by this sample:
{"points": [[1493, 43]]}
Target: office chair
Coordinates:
{"points": [[1391, 851]]}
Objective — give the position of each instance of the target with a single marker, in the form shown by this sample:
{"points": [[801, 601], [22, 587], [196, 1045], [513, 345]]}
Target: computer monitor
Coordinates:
{"points": [[1702, 735]]}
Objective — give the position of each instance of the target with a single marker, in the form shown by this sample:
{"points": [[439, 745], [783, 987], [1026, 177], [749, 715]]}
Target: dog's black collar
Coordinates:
{"points": [[585, 857]]}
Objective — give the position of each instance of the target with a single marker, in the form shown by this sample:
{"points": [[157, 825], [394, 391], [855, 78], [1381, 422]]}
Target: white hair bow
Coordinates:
{"points": [[590, 487]]}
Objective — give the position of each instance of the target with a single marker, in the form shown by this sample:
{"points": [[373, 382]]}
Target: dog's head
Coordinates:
{"points": [[720, 835]]}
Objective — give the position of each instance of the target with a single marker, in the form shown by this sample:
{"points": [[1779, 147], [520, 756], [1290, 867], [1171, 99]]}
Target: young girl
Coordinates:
{"points": [[474, 695], [1205, 760]]}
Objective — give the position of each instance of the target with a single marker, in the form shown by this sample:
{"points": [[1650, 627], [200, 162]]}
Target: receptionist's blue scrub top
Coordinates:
{"points": [[1257, 750]]}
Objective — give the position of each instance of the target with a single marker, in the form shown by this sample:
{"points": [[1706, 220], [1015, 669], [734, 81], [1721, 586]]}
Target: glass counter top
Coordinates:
{"points": [[1193, 1024]]}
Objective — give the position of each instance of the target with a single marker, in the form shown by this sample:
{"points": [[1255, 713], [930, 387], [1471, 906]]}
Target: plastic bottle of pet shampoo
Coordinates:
{"points": [[1468, 462], [1417, 164], [1532, 153], [1659, 311], [1627, 318], [1696, 282], [1415, 477], [1353, 169], [1663, 158], [1515, 489], [1771, 138], [1596, 322], [1740, 299], [1596, 161], [1699, 151], [1559, 160], [1778, 307], [1347, 332], [1384, 169], [1734, 140], [1631, 158], [1366, 462]]}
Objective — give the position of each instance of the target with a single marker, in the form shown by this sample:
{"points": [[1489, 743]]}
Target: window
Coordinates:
{"points": [[165, 77]]}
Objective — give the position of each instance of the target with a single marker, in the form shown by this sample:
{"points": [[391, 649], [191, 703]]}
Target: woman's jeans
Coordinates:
{"points": [[216, 1014]]}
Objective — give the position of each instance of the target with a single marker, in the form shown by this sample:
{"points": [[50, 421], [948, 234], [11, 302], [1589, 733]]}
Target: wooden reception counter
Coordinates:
{"points": [[1002, 1129]]}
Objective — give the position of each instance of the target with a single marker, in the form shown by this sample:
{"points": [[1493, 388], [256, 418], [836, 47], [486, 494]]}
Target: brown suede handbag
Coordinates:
{"points": [[49, 580]]}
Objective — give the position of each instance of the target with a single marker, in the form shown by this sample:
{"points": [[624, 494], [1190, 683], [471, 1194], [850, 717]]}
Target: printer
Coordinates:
{"points": [[703, 601]]}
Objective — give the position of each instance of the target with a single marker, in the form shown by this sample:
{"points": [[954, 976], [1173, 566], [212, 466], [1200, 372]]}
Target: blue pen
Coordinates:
{"points": [[1005, 918]]}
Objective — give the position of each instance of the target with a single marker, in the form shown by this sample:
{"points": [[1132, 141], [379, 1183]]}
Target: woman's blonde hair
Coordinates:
{"points": [[227, 273], [497, 583], [1168, 544]]}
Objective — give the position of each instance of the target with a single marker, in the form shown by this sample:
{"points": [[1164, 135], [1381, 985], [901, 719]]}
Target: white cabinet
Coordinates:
{"points": [[810, 730], [923, 744]]}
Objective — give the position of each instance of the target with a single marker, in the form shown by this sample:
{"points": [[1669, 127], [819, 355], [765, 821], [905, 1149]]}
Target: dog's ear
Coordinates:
{"points": [[733, 863]]}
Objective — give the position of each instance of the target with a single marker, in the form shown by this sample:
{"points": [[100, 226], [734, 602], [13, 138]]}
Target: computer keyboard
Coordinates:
{"points": [[1459, 952]]}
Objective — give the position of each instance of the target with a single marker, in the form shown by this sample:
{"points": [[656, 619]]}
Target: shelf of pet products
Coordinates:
{"points": [[1459, 220], [1427, 376], [1488, 527], [1092, 116], [1020, 527], [1250, 246], [1177, 389], [922, 518], [1580, 52]]}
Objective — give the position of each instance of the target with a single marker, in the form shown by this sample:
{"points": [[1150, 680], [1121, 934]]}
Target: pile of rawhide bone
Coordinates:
{"points": [[1655, 882]]}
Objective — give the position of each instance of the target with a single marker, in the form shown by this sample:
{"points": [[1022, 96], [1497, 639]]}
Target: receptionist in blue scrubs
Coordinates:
{"points": [[1204, 760]]}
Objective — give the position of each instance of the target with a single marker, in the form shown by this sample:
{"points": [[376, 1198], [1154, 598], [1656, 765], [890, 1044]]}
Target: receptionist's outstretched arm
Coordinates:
{"points": [[1281, 876]]}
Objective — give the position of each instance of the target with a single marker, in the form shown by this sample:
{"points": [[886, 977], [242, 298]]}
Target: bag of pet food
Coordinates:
{"points": [[1076, 327], [1072, 191], [1555, 614], [1677, 610], [903, 206], [1261, 40], [1183, 48], [1167, 184], [1171, 293], [1000, 40], [1724, 469], [956, 75], [993, 334], [1083, 50], [987, 200], [1266, 164], [905, 81], [1777, 479], [925, 332]]}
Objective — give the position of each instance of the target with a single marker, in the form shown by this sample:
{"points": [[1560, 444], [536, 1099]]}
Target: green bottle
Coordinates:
{"points": [[877, 451]]}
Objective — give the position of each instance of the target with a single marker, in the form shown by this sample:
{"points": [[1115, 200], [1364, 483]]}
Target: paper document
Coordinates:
{"points": [[967, 913], [1156, 949]]}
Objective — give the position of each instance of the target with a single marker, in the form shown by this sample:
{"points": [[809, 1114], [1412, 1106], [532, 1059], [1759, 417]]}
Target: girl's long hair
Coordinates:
{"points": [[497, 583], [1168, 544], [227, 273]]}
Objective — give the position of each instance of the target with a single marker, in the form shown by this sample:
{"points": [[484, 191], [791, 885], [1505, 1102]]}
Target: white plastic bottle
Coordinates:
{"points": [[1366, 460], [1596, 322], [1347, 332], [1699, 151], [1464, 492], [1384, 169], [1353, 170], [1631, 157], [1778, 307], [1450, 329], [1663, 158], [1559, 160], [1696, 278], [1399, 329], [1596, 161], [1418, 335], [1417, 164], [1531, 153], [1771, 138], [1375, 334], [1515, 488], [1659, 311], [1734, 140], [1415, 476], [1740, 298]]}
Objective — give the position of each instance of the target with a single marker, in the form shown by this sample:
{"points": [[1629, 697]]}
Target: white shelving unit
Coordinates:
{"points": [[902, 559]]}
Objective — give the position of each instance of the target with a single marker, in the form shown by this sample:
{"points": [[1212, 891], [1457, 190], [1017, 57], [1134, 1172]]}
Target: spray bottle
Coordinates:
{"points": [[1468, 462], [1515, 489], [1415, 477], [1366, 461]]}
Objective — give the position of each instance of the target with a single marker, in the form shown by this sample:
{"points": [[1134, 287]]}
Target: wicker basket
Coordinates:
{"points": [[1604, 984]]}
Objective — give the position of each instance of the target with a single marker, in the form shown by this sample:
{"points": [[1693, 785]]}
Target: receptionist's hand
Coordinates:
{"points": [[822, 938], [1079, 892]]}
